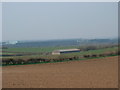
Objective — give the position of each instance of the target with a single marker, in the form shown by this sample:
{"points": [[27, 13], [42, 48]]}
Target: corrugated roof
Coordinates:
{"points": [[67, 50]]}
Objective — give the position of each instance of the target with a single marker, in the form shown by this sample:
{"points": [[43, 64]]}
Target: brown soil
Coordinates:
{"points": [[93, 73]]}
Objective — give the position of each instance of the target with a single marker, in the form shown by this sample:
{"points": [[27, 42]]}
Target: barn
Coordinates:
{"points": [[58, 52]]}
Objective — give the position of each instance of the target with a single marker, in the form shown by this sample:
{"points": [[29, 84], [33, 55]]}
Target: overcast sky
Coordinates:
{"points": [[49, 20]]}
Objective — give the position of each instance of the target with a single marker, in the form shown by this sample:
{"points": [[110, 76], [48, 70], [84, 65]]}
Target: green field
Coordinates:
{"points": [[43, 49], [44, 55], [98, 51]]}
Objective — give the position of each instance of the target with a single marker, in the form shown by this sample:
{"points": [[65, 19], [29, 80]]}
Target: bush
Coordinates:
{"points": [[86, 56], [94, 55], [101, 55]]}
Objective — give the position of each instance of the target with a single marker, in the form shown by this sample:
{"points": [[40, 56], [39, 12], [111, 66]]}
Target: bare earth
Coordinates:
{"points": [[93, 73]]}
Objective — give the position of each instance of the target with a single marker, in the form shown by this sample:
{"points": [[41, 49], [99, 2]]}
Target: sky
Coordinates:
{"points": [[60, 20]]}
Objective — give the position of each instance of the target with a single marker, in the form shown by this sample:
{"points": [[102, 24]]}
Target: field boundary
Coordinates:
{"points": [[61, 61]]}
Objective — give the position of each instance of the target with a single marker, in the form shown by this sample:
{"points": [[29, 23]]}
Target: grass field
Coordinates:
{"points": [[43, 49], [19, 56], [38, 49], [50, 49]]}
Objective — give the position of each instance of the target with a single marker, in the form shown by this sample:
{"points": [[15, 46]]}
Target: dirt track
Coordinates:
{"points": [[93, 73]]}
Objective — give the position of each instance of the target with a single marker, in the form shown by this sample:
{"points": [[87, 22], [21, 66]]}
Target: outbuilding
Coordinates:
{"points": [[58, 52]]}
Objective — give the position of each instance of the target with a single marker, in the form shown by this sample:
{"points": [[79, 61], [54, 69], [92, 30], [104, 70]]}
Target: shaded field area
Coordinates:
{"points": [[91, 73]]}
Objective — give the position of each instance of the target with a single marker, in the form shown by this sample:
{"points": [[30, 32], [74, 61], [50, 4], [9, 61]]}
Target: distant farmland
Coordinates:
{"points": [[41, 51], [38, 55], [95, 66]]}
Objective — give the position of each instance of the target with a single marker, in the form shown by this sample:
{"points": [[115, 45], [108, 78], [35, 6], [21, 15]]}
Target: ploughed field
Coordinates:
{"points": [[91, 73]]}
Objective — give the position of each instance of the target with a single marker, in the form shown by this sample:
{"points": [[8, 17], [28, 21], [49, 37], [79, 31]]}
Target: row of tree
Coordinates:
{"points": [[95, 47]]}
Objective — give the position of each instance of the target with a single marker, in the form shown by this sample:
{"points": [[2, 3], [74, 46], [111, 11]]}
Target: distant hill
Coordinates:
{"points": [[65, 42]]}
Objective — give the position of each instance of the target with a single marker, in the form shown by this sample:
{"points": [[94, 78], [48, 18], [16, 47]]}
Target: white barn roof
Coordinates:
{"points": [[68, 50], [63, 50]]}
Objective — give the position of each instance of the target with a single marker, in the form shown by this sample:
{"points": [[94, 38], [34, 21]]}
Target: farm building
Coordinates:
{"points": [[58, 52]]}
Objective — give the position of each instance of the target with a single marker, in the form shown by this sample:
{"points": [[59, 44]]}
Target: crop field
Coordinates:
{"points": [[45, 49], [90, 73], [50, 49], [37, 49], [14, 56]]}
